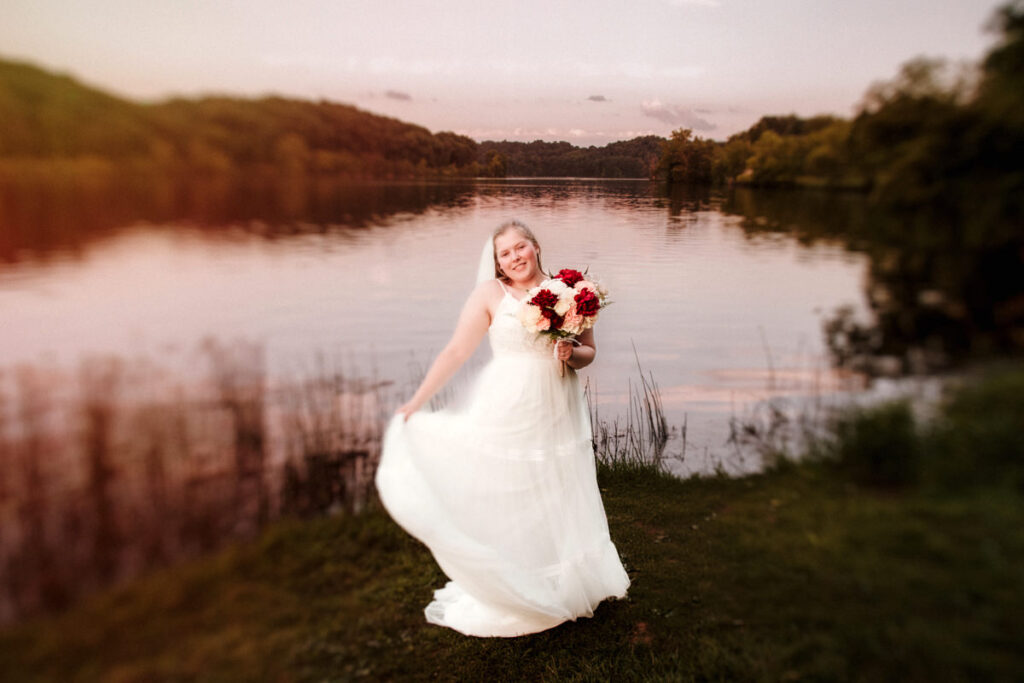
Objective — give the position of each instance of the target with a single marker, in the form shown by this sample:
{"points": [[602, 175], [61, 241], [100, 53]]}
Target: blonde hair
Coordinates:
{"points": [[521, 228]]}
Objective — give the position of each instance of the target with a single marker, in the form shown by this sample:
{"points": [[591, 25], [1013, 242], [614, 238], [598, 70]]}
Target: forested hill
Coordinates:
{"points": [[51, 117], [48, 116], [636, 158]]}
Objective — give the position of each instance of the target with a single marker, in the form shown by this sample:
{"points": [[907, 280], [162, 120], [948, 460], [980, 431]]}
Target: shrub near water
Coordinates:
{"points": [[975, 439], [878, 445], [979, 440]]}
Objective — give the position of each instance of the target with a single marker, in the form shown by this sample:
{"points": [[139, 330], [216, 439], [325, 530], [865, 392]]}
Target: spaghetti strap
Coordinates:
{"points": [[503, 287]]}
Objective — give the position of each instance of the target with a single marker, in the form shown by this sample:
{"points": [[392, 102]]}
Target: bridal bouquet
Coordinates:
{"points": [[563, 306]]}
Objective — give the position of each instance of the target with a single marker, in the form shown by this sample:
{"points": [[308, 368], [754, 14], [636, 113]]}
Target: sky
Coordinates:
{"points": [[589, 71]]}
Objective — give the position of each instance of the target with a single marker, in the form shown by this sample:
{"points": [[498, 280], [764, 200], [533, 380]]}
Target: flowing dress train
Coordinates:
{"points": [[503, 491]]}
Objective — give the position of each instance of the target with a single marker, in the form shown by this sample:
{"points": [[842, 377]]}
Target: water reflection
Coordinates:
{"points": [[38, 220], [736, 295], [933, 296], [381, 269], [684, 202], [939, 289]]}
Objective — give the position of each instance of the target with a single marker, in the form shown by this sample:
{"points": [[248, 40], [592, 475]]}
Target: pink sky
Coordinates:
{"points": [[589, 72]]}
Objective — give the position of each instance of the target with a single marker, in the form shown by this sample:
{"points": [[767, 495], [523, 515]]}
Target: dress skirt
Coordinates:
{"points": [[503, 491]]}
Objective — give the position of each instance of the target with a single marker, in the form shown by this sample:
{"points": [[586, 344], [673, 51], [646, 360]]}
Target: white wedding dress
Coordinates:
{"points": [[504, 494]]}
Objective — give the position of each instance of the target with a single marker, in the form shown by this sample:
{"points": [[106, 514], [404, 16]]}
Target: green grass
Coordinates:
{"points": [[789, 575]]}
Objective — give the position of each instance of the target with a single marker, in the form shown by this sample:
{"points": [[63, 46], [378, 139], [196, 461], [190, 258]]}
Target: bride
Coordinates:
{"points": [[503, 489]]}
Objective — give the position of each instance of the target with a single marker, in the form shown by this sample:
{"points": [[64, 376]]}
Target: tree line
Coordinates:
{"points": [[636, 158]]}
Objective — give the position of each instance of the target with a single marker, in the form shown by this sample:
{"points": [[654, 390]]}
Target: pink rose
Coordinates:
{"points": [[574, 322]]}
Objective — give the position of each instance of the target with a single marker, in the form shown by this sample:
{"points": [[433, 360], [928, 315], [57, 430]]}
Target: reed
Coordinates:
{"points": [[794, 421], [334, 426], [637, 440]]}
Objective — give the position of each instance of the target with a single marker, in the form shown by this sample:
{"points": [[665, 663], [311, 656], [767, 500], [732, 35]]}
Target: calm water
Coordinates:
{"points": [[722, 316]]}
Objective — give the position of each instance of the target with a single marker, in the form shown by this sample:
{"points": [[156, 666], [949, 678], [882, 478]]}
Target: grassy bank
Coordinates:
{"points": [[789, 575]]}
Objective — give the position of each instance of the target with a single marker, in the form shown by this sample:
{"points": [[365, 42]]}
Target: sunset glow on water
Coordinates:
{"points": [[721, 318]]}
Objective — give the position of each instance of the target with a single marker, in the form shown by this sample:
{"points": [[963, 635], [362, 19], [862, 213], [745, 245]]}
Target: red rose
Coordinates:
{"points": [[556, 320], [587, 304], [545, 298], [569, 276]]}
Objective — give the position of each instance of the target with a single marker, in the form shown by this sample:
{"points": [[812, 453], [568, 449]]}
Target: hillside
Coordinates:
{"points": [[49, 117], [53, 118]]}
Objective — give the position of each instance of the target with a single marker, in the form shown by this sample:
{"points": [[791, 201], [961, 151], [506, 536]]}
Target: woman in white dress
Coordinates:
{"points": [[503, 490]]}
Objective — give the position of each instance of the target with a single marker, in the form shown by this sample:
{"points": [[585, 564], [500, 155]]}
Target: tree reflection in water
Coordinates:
{"points": [[43, 216], [941, 290]]}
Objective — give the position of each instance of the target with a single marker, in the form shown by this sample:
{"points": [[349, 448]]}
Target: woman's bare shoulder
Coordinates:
{"points": [[489, 288], [489, 293]]}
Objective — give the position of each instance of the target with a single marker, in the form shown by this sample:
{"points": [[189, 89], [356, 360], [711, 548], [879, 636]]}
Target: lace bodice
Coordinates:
{"points": [[508, 335]]}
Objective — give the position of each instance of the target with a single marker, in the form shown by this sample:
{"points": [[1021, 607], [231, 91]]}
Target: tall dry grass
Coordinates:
{"points": [[638, 439], [121, 466]]}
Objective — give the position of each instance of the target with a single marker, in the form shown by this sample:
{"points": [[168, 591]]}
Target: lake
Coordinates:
{"points": [[721, 314]]}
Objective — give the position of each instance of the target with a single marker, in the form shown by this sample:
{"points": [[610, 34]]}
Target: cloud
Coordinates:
{"points": [[398, 95], [598, 98], [675, 116]]}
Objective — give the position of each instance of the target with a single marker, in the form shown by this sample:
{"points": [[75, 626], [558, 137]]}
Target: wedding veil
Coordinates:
{"points": [[485, 271]]}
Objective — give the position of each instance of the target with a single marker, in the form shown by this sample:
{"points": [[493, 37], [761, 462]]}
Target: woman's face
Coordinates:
{"points": [[517, 257]]}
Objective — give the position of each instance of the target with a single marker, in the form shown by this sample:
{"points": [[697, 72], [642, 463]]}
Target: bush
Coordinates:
{"points": [[979, 438], [976, 439], [877, 445]]}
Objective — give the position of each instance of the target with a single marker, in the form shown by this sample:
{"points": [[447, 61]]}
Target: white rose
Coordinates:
{"points": [[531, 318], [556, 287], [565, 301]]}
